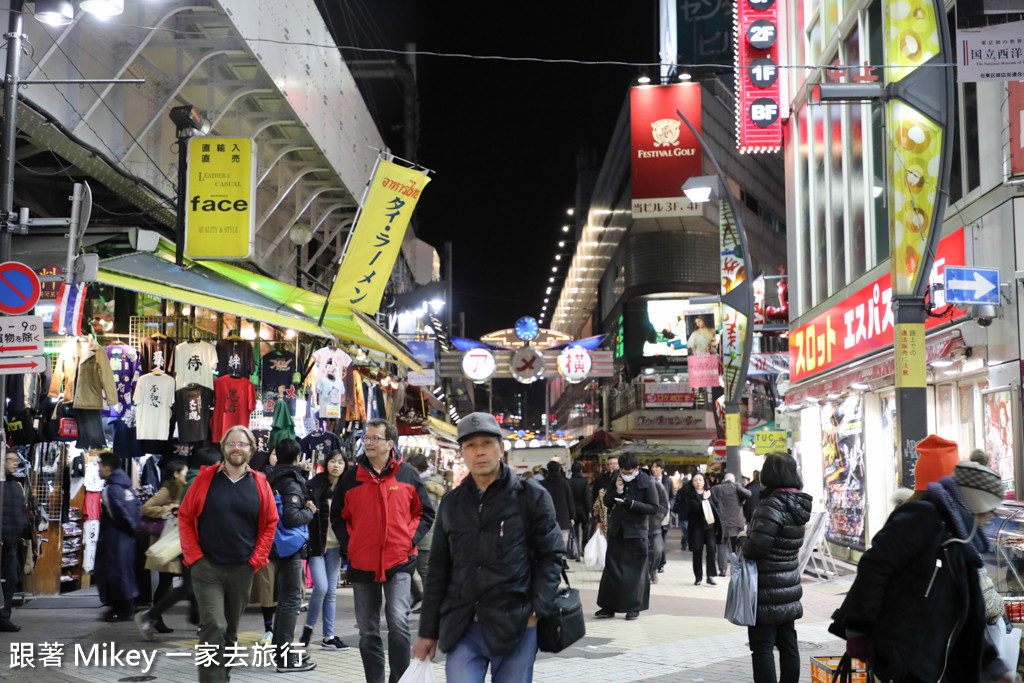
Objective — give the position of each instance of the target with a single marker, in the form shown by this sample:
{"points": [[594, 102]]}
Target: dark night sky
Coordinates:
{"points": [[503, 137]]}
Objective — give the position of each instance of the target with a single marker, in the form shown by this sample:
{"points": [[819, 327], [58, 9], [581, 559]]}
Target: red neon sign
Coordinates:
{"points": [[758, 95]]}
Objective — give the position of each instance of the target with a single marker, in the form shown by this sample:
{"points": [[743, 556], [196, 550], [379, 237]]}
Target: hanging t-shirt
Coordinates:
{"points": [[330, 391], [154, 396], [194, 363], [332, 356], [157, 353], [193, 407], [124, 363], [236, 399], [234, 357], [278, 370], [318, 445]]}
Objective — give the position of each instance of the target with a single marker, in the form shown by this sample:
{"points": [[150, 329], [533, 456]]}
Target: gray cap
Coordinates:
{"points": [[478, 423]]}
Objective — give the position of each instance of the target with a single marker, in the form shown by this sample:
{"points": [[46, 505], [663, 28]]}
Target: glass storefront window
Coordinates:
{"points": [[819, 201], [804, 225]]}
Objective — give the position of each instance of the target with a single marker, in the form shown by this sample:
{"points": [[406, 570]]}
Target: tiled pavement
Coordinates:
{"points": [[682, 638]]}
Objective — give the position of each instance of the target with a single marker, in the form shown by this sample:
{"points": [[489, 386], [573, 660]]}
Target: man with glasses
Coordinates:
{"points": [[379, 513], [227, 523]]}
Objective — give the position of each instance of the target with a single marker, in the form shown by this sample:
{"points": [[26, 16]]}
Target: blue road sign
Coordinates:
{"points": [[966, 285]]}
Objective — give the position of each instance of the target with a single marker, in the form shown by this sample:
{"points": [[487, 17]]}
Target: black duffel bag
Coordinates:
{"points": [[566, 624]]}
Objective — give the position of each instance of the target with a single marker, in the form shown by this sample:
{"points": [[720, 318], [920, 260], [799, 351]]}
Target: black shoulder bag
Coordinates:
{"points": [[566, 624]]}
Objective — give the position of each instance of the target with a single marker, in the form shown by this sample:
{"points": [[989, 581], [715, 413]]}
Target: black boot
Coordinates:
{"points": [[307, 634], [160, 627]]}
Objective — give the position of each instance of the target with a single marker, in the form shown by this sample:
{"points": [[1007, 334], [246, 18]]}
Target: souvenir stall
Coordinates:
{"points": [[178, 376]]}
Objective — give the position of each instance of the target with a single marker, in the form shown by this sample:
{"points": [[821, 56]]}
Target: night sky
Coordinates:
{"points": [[503, 137]]}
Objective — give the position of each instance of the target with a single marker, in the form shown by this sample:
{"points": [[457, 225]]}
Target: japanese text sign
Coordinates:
{"points": [[377, 237], [758, 98], [1015, 104], [220, 198], [664, 152], [863, 322]]}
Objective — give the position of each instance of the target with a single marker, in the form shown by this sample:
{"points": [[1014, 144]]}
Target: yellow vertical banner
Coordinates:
{"points": [[911, 368], [733, 429], [377, 237]]}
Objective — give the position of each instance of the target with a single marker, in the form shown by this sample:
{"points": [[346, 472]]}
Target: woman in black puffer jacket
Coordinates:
{"points": [[774, 537]]}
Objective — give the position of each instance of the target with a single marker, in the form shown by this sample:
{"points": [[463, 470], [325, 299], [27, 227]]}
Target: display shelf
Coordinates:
{"points": [[1005, 533]]}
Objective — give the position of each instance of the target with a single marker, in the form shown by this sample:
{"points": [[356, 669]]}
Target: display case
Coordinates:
{"points": [[1005, 533]]}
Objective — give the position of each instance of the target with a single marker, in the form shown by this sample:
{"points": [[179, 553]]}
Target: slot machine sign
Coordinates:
{"points": [[758, 95]]}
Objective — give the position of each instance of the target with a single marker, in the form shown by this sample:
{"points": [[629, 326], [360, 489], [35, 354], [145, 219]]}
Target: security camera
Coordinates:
{"points": [[984, 314]]}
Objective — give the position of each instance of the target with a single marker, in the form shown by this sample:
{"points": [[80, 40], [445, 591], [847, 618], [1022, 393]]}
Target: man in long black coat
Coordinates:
{"points": [[115, 549]]}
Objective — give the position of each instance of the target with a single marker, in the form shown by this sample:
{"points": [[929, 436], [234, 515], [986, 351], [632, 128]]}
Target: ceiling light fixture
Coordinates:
{"points": [[55, 12], [103, 9]]}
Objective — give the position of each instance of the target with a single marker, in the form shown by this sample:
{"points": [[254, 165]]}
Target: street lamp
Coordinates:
{"points": [[740, 298], [187, 121]]}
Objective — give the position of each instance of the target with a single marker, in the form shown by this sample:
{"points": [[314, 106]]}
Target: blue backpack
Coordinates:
{"points": [[288, 540]]}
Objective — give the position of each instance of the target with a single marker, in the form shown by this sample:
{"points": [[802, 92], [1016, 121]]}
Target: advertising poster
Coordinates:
{"points": [[842, 441], [998, 419], [966, 404], [675, 323]]}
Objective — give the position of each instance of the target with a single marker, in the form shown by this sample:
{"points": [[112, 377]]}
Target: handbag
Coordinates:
{"points": [[150, 525], [566, 624], [167, 548], [572, 548], [741, 600], [63, 425]]}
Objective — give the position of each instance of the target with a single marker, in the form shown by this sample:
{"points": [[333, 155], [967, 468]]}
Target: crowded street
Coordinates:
{"points": [[683, 637]]}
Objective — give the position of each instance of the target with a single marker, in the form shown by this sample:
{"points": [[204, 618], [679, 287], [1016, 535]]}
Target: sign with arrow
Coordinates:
{"points": [[21, 336], [26, 364], [972, 285]]}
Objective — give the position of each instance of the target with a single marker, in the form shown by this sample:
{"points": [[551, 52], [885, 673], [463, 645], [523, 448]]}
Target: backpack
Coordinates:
{"points": [[288, 540]]}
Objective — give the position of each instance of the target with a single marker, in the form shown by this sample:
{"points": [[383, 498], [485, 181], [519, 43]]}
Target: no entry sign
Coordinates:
{"points": [[718, 447], [19, 288]]}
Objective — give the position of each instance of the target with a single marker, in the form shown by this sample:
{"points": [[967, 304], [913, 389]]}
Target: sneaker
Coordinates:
{"points": [[333, 643], [296, 665], [267, 638], [632, 615], [146, 629], [604, 614]]}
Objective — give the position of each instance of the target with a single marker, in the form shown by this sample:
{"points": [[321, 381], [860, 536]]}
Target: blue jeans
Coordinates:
{"points": [[467, 663], [324, 569], [398, 599]]}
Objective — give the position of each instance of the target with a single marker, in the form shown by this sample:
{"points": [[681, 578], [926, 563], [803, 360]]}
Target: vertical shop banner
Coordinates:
{"points": [[221, 199], [758, 94], [377, 237], [842, 447], [1015, 105], [997, 409], [734, 323], [665, 154], [914, 160]]}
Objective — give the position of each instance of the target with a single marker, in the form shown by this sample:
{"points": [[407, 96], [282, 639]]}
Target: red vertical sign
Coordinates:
{"points": [[758, 98], [1016, 108], [664, 151]]}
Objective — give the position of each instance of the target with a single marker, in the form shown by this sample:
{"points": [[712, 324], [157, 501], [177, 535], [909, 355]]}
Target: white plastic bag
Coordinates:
{"points": [[1008, 643], [419, 671], [593, 553]]}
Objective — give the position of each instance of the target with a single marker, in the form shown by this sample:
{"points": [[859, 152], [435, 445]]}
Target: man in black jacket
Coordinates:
{"points": [[494, 566], [557, 487], [580, 488], [289, 481], [15, 529]]}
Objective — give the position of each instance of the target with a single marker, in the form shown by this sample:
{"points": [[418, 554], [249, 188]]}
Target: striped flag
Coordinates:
{"points": [[67, 319]]}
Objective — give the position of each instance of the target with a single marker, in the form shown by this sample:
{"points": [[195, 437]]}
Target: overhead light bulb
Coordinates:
{"points": [[55, 12], [644, 80], [685, 76], [103, 9]]}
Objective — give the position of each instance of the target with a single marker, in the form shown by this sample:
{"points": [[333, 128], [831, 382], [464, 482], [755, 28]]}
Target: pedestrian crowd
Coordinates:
{"points": [[482, 563]]}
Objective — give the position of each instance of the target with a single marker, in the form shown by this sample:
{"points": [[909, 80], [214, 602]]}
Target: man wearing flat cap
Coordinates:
{"points": [[494, 566]]}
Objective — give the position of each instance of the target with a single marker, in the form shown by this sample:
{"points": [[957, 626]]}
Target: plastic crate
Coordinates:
{"points": [[823, 670]]}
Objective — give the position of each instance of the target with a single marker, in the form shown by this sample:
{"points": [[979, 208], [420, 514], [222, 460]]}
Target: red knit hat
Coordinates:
{"points": [[938, 458]]}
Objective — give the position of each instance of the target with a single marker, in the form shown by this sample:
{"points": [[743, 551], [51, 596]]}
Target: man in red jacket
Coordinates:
{"points": [[226, 523], [379, 513]]}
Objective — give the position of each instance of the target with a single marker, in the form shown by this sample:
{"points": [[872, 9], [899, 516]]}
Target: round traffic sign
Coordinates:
{"points": [[19, 288], [718, 447]]}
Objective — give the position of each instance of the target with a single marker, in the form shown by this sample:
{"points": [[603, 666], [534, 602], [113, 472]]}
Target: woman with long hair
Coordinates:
{"points": [[324, 553], [773, 539], [162, 504]]}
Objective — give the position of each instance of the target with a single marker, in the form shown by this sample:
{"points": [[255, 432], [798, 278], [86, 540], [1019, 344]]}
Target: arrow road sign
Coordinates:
{"points": [[966, 285], [21, 335], [18, 366]]}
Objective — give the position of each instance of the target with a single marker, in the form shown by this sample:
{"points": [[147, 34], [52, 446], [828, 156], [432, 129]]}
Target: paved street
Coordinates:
{"points": [[682, 638]]}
